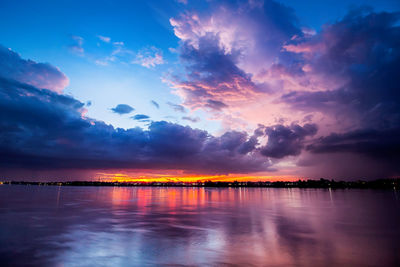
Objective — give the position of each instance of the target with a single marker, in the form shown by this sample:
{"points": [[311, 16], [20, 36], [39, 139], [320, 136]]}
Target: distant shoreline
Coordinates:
{"points": [[393, 184]]}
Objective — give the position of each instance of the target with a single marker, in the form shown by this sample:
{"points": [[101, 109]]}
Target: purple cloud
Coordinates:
{"points": [[43, 130], [41, 75], [362, 52], [224, 49], [380, 144], [286, 141]]}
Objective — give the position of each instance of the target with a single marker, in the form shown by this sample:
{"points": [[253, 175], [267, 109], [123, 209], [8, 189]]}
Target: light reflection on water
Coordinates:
{"points": [[142, 226]]}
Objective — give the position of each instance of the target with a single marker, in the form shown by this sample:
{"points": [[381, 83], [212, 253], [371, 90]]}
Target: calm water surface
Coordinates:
{"points": [[150, 226]]}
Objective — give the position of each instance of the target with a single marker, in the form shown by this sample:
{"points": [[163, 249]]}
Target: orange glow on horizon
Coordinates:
{"points": [[121, 177]]}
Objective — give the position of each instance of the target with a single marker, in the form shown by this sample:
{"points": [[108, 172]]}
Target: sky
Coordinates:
{"points": [[188, 90]]}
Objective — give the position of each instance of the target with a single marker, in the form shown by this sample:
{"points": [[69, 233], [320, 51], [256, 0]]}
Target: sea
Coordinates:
{"points": [[197, 226]]}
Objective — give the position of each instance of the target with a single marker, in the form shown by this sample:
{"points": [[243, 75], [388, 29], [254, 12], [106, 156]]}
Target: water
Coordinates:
{"points": [[150, 226]]}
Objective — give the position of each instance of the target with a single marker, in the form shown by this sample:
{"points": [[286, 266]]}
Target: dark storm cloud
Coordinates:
{"points": [[381, 144], [252, 142], [41, 75], [43, 130], [286, 141], [362, 52], [122, 109]]}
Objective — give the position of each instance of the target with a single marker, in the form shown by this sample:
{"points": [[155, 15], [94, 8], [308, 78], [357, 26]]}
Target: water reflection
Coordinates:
{"points": [[105, 226]]}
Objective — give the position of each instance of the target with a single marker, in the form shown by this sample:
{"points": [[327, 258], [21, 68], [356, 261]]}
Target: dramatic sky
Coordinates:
{"points": [[189, 89]]}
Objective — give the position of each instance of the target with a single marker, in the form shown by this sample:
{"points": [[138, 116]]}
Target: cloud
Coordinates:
{"points": [[42, 130], [154, 103], [123, 109], [140, 117], [251, 62], [256, 59], [229, 53], [286, 140], [42, 75], [216, 105], [149, 57], [185, 2], [362, 52], [377, 144], [191, 119], [176, 107], [212, 76], [118, 54], [104, 38], [76, 46]]}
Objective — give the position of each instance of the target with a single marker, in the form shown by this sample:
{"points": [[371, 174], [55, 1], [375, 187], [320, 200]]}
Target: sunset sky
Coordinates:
{"points": [[190, 89]]}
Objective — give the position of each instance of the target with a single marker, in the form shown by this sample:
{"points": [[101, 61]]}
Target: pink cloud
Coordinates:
{"points": [[41, 75]]}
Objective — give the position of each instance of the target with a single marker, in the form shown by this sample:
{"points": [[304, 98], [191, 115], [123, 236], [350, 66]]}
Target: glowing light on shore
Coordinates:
{"points": [[125, 177]]}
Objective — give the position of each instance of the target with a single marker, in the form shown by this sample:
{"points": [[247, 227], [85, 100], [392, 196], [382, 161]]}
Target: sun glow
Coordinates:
{"points": [[123, 177]]}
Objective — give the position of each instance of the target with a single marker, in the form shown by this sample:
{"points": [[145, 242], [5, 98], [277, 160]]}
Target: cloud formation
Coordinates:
{"points": [[140, 117], [213, 76], [287, 141], [224, 49], [104, 38], [44, 130], [154, 103], [149, 57], [41, 75], [191, 119], [362, 51], [378, 144], [312, 96], [77, 45], [176, 107], [252, 62], [122, 109]]}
